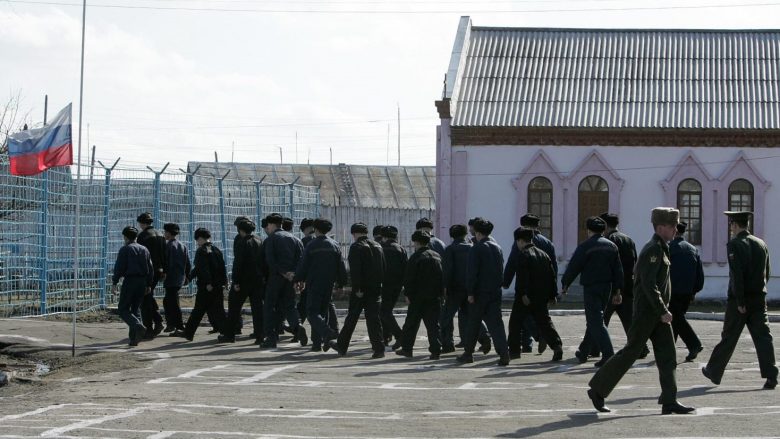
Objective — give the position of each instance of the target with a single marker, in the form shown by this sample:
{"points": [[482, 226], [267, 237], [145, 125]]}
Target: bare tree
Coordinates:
{"points": [[12, 119]]}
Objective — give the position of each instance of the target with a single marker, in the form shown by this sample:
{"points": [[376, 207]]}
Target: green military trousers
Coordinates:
{"points": [[645, 326], [733, 323]]}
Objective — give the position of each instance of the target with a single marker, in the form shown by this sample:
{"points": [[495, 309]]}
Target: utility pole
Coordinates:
{"points": [[45, 108], [399, 134], [281, 158], [233, 151], [331, 156]]}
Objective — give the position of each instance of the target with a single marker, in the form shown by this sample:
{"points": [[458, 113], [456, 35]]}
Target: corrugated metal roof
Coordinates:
{"points": [[405, 187], [617, 78]]}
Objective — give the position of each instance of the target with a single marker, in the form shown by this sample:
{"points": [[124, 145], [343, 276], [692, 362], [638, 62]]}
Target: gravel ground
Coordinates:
{"points": [[168, 388]]}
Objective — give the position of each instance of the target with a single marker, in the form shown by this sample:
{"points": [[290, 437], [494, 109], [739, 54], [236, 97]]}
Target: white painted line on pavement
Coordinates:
{"points": [[264, 375], [33, 412], [56, 432]]}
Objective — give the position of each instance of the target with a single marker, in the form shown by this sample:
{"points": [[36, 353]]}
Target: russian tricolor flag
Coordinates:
{"points": [[33, 151]]}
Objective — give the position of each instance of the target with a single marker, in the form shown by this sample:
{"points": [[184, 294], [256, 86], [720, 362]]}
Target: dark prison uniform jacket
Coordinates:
{"points": [[133, 260], [687, 272], [485, 269], [178, 264], [652, 283], [455, 265], [322, 265], [534, 275], [748, 267], [627, 254], [395, 264], [424, 277], [282, 252], [209, 267], [366, 266], [543, 244], [437, 245], [249, 262], [597, 262], [154, 241]]}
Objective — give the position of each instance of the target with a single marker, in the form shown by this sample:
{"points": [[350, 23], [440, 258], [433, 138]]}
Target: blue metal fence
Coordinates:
{"points": [[37, 226]]}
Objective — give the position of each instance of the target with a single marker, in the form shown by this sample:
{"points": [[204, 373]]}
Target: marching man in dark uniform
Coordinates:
{"points": [[454, 266], [282, 253], [748, 275], [484, 275], [535, 285], [211, 278], [436, 244], [597, 263], [307, 229], [423, 288], [395, 268], [248, 277], [134, 264], [687, 276], [177, 271], [154, 241], [366, 272], [232, 294], [652, 320], [321, 267]]}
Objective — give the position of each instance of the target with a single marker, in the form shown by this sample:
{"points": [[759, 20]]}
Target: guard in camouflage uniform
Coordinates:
{"points": [[748, 275], [652, 320]]}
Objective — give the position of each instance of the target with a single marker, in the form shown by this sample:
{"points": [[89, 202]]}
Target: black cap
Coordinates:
{"points": [[529, 220], [483, 226], [247, 226], [359, 228], [424, 223], [739, 217], [287, 224], [524, 233], [421, 237], [595, 224], [202, 232], [682, 226], [611, 219], [240, 219], [130, 232], [275, 218], [306, 223], [377, 230], [264, 223], [473, 220], [171, 228], [145, 218], [322, 225], [458, 231], [390, 232]]}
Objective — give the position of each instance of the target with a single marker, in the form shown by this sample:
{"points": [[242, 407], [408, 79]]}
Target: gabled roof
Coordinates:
{"points": [[405, 187], [626, 78]]}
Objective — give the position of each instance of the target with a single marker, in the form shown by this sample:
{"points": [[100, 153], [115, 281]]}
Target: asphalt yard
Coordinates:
{"points": [[207, 390]]}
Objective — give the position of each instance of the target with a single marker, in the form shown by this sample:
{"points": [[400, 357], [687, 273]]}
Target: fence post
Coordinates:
{"points": [[106, 217], [258, 202], [222, 211], [292, 199], [156, 208], [44, 276]]}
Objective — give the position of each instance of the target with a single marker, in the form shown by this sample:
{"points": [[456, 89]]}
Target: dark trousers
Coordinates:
{"points": [[428, 311], [130, 297], [172, 309], [660, 334], [318, 307], [370, 303], [390, 327], [488, 309], [150, 311], [596, 298], [530, 332], [540, 315], [210, 302], [236, 300], [457, 305], [733, 323], [303, 304], [279, 305], [678, 306]]}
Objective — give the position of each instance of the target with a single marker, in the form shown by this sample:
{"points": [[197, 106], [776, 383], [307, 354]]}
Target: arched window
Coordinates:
{"points": [[741, 197], [689, 203], [593, 200], [540, 198]]}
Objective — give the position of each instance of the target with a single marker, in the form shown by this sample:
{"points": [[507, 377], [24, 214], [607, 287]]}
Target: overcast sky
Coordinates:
{"points": [[164, 84]]}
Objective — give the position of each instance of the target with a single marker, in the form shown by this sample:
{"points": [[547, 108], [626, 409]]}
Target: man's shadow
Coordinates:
{"points": [[574, 420]]}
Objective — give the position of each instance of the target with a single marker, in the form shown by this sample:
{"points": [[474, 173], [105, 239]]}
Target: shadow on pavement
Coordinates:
{"points": [[574, 420]]}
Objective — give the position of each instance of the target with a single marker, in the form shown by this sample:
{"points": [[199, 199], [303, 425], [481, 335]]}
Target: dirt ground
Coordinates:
{"points": [[169, 388]]}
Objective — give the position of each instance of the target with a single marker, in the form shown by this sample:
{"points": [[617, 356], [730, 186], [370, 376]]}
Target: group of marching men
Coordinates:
{"points": [[650, 292]]}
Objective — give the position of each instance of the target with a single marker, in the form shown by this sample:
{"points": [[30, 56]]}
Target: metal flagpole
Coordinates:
{"points": [[78, 181]]}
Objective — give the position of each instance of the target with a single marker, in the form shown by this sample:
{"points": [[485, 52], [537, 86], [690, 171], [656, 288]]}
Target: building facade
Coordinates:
{"points": [[569, 123]]}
